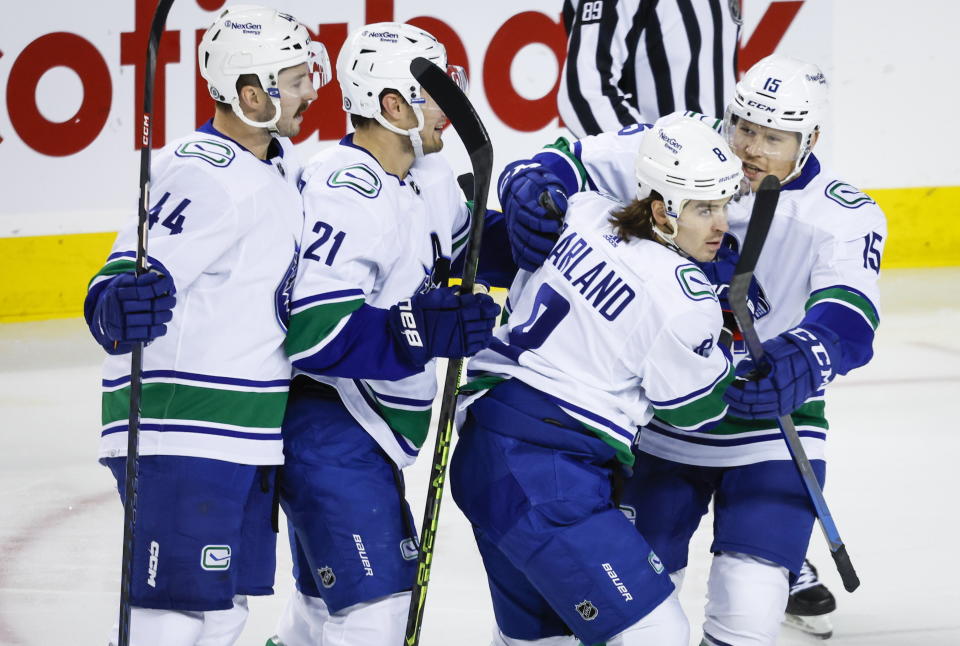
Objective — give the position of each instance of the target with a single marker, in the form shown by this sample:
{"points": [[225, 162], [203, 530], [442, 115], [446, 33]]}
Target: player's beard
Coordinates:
{"points": [[292, 127]]}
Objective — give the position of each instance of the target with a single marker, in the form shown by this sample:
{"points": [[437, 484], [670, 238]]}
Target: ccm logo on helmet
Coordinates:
{"points": [[760, 106]]}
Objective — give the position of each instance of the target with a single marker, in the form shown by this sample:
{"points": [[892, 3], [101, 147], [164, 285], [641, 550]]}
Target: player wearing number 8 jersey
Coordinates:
{"points": [[616, 325], [816, 311]]}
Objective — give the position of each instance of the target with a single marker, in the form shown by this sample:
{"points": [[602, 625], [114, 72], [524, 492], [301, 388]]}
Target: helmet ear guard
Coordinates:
{"points": [[683, 159], [781, 93], [248, 39]]}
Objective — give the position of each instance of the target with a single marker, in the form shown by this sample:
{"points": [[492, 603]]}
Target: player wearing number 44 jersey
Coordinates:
{"points": [[816, 310], [225, 221], [618, 324], [384, 221]]}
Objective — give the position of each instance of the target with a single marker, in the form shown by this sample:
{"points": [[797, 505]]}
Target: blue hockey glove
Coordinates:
{"points": [[531, 227], [442, 323], [132, 309], [796, 365]]}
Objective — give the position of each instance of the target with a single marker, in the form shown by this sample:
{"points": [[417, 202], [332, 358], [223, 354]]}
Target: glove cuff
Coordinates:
{"points": [[819, 347], [409, 332]]}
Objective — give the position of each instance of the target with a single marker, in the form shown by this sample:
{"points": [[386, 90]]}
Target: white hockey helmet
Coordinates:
{"points": [[684, 159], [249, 39], [377, 57], [783, 93]]}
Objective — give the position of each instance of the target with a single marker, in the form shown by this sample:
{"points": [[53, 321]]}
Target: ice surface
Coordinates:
{"points": [[893, 483]]}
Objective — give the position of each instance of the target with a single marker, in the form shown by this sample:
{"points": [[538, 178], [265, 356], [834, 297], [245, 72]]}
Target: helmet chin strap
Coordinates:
{"points": [[270, 125], [669, 239], [413, 133]]}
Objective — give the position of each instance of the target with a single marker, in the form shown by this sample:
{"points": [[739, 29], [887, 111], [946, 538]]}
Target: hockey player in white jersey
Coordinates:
{"points": [[616, 325], [225, 222], [384, 221], [816, 311]]}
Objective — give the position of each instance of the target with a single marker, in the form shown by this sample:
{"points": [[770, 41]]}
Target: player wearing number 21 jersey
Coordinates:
{"points": [[617, 325]]}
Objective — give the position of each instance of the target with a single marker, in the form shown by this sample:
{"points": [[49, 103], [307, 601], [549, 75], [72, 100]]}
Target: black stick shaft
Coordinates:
{"points": [[764, 207], [136, 359], [470, 129]]}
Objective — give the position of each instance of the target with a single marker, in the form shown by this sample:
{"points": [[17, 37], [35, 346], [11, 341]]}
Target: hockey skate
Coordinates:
{"points": [[810, 604]]}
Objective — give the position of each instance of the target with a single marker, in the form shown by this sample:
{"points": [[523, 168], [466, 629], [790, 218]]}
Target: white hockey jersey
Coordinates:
{"points": [[225, 225], [823, 250], [373, 238], [613, 331]]}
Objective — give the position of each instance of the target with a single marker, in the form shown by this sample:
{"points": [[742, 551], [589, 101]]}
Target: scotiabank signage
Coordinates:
{"points": [[97, 74], [507, 30]]}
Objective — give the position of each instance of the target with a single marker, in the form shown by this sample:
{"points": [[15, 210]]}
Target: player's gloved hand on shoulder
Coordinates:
{"points": [[796, 364], [532, 226], [443, 323], [132, 309]]}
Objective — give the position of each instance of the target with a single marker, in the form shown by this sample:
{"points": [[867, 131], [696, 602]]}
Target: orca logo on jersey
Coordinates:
{"points": [[587, 610], [437, 274], [213, 152], [359, 178], [849, 197], [705, 348], [694, 283], [283, 295], [153, 563]]}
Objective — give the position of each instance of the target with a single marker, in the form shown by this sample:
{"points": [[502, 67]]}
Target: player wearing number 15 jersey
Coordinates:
{"points": [[618, 324]]}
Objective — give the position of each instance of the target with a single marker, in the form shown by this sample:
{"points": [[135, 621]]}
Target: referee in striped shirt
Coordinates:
{"points": [[633, 61]]}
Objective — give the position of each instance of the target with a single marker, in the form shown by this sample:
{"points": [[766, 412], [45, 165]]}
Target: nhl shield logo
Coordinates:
{"points": [[327, 577], [587, 610]]}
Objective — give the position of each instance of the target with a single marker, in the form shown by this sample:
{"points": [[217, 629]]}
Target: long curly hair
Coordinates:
{"points": [[635, 220]]}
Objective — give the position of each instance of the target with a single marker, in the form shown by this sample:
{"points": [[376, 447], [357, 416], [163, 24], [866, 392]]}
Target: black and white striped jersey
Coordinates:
{"points": [[633, 61]]}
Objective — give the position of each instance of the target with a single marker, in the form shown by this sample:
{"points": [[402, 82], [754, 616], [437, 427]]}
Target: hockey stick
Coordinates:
{"points": [[760, 219], [136, 360], [465, 121]]}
